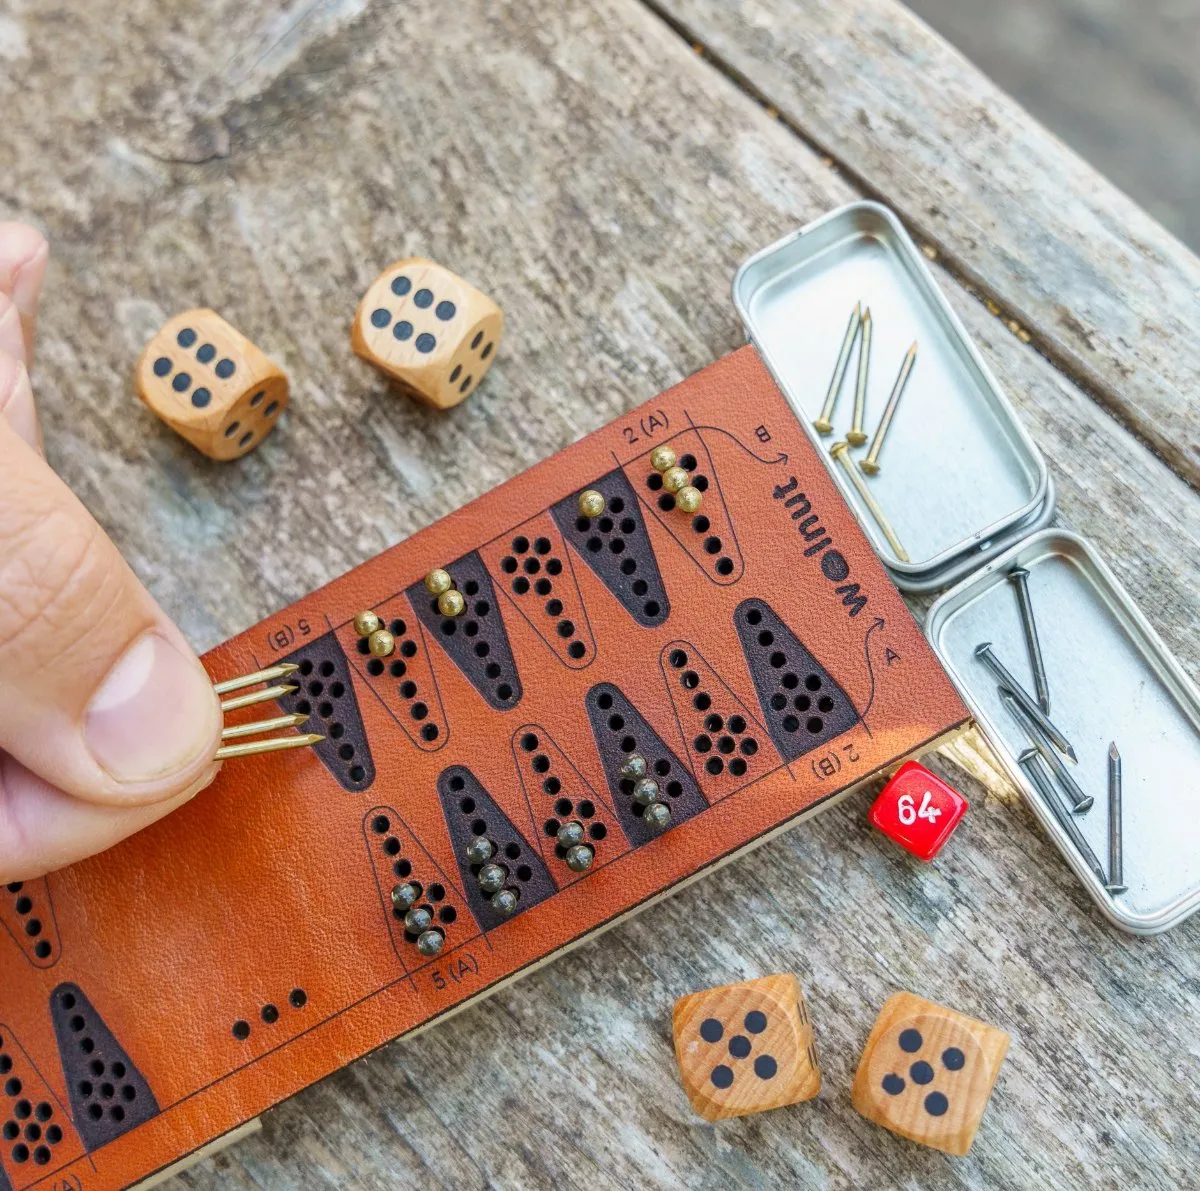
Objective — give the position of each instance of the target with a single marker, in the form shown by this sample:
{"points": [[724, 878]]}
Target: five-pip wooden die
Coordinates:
{"points": [[211, 384], [927, 1072], [745, 1048], [429, 330]]}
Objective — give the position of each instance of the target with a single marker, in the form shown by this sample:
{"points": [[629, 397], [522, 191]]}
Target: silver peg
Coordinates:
{"points": [[1031, 762], [1028, 703], [634, 768], [657, 815], [1116, 861], [570, 834], [1019, 578], [417, 921], [430, 942], [645, 792], [404, 897], [492, 878], [505, 903], [1081, 802], [479, 850], [579, 858]]}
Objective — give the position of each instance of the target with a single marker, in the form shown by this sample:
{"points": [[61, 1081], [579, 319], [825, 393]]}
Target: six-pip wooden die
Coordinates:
{"points": [[927, 1072], [745, 1048], [211, 385], [429, 330]]}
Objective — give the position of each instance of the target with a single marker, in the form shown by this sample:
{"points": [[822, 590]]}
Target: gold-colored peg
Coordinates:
{"points": [[591, 503], [841, 452], [381, 643], [438, 581], [662, 458], [675, 479], [689, 499], [824, 423], [282, 670], [871, 463], [856, 436], [366, 623], [451, 603], [275, 744], [260, 726], [263, 696]]}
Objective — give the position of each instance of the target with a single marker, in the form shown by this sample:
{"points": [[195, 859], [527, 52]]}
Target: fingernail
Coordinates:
{"points": [[154, 715]]}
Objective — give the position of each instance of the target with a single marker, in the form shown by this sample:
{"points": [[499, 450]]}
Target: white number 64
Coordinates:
{"points": [[909, 813]]}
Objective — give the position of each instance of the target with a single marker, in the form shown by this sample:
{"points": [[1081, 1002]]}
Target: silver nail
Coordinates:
{"points": [[1116, 861], [1020, 580], [1027, 701], [1080, 801], [1031, 762]]}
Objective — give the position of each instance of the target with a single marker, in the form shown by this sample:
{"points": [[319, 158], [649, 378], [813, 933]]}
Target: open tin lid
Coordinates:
{"points": [[960, 478]]}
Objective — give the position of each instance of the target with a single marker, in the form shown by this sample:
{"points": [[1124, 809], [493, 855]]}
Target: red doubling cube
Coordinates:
{"points": [[918, 810]]}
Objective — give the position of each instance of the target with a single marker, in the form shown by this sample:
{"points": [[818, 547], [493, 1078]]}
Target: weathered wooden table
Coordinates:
{"points": [[601, 167]]}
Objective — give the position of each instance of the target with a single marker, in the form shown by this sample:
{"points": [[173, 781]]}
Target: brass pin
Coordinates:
{"points": [[841, 452], [261, 726], [856, 435], [263, 696], [823, 424], [275, 744], [236, 684], [871, 462]]}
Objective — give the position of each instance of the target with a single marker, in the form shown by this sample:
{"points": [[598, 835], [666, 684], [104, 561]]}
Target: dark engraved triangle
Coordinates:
{"points": [[108, 1094], [803, 706], [617, 548], [620, 729], [471, 812], [326, 696], [399, 858], [476, 641]]}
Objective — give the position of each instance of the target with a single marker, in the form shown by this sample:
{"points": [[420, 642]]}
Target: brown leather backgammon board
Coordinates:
{"points": [[753, 656]]}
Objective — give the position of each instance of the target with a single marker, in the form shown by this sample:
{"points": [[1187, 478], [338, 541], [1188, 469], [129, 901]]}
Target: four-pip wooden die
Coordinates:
{"points": [[211, 384], [745, 1048], [918, 810], [429, 330], [927, 1072]]}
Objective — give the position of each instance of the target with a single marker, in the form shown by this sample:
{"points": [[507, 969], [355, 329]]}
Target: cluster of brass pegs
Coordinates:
{"points": [[676, 480], [258, 727], [380, 642], [450, 600]]}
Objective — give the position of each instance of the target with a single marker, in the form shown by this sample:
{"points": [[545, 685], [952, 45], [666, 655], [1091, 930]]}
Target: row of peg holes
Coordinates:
{"points": [[402, 869], [790, 681], [36, 1133], [701, 525], [269, 1013], [595, 544], [23, 904], [542, 586], [470, 628], [564, 808], [714, 723], [316, 689], [398, 668], [99, 1070]]}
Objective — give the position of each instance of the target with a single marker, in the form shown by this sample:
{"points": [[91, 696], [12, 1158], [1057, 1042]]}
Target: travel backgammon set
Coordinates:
{"points": [[596, 682]]}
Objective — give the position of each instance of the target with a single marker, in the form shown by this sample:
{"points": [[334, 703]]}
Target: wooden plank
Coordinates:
{"points": [[1106, 293], [603, 183]]}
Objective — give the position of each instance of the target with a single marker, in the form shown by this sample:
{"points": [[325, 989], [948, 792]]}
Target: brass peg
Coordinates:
{"points": [[856, 436], [871, 463], [841, 452], [824, 423]]}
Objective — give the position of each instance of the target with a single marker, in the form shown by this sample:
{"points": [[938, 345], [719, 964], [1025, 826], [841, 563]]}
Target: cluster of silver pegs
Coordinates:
{"points": [[418, 920], [260, 727], [492, 877], [860, 328], [1043, 761], [656, 814]]}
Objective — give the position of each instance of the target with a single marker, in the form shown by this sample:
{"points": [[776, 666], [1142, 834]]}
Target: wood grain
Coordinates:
{"points": [[1104, 290], [582, 165]]}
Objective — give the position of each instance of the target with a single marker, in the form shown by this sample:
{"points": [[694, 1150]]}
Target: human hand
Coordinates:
{"points": [[107, 720]]}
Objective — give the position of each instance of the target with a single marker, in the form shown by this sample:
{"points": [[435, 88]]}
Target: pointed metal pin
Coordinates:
{"points": [[275, 744], [1031, 762], [856, 435], [282, 670], [263, 696], [1081, 802], [1028, 703], [841, 452], [1019, 577], [260, 726], [1116, 861], [871, 463], [824, 423]]}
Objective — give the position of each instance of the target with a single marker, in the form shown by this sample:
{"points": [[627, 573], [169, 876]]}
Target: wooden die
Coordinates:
{"points": [[927, 1072], [211, 384], [745, 1048], [428, 330]]}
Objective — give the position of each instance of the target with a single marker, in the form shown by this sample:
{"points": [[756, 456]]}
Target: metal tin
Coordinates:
{"points": [[1111, 678], [961, 479]]}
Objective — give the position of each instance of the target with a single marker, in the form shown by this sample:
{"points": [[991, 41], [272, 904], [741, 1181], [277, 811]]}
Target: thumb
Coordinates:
{"points": [[100, 695]]}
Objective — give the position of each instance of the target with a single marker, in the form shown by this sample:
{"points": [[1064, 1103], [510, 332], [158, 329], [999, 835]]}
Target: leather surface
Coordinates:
{"points": [[242, 948]]}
